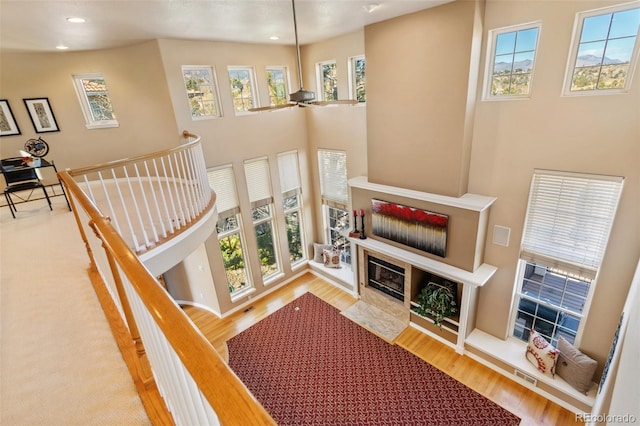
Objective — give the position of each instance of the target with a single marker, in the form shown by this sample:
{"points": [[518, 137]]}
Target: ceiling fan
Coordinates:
{"points": [[302, 97]]}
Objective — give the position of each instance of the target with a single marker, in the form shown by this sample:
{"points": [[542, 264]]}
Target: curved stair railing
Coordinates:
{"points": [[128, 207]]}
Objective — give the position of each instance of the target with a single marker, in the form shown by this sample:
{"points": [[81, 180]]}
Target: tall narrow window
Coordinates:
{"points": [[95, 101], [357, 79], [259, 187], [604, 50], [333, 186], [327, 81], [292, 205], [277, 83], [510, 61], [243, 90], [202, 91], [568, 222], [230, 231]]}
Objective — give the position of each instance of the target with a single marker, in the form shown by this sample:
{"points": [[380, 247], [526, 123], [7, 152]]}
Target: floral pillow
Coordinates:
{"points": [[331, 258], [542, 354]]}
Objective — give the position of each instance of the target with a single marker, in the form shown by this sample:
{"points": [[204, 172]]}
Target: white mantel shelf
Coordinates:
{"points": [[478, 278], [471, 202]]}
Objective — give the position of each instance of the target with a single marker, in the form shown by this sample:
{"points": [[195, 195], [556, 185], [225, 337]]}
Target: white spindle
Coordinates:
{"points": [[136, 208], [153, 191], [167, 180], [125, 210], [145, 202]]}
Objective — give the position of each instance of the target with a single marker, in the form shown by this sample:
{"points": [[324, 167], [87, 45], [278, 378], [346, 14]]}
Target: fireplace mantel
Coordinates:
{"points": [[477, 278], [472, 202]]}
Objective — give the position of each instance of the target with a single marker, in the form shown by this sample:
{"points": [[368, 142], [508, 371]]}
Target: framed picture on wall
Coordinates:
{"points": [[8, 125], [41, 115]]}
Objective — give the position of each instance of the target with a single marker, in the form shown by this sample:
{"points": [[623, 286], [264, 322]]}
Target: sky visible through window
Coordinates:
{"points": [[605, 51], [513, 62]]}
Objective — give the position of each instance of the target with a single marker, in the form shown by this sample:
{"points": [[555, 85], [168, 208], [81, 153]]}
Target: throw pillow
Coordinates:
{"points": [[317, 251], [574, 367], [541, 354], [331, 258]]}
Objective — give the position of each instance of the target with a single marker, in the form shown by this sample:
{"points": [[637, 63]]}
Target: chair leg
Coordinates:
{"points": [[10, 204], [47, 197]]}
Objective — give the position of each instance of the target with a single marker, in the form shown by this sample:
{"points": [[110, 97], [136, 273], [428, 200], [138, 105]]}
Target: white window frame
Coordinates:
{"points": [[255, 96], [575, 45], [258, 178], [287, 83], [490, 60], [333, 189], [289, 169], [558, 203], [214, 90], [320, 79], [91, 122], [227, 199], [352, 78]]}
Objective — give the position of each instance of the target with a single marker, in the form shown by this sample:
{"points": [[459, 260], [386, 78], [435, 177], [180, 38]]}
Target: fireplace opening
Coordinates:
{"points": [[386, 277]]}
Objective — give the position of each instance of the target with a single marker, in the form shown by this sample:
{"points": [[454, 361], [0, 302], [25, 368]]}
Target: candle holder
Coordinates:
{"points": [[355, 222], [362, 236]]}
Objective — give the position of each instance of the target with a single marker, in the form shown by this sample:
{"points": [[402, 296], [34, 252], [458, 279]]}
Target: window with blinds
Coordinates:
{"points": [[230, 231], [332, 166], [567, 226], [223, 184], [261, 198], [289, 172]]}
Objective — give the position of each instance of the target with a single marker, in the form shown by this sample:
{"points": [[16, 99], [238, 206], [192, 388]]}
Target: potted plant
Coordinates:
{"points": [[438, 301]]}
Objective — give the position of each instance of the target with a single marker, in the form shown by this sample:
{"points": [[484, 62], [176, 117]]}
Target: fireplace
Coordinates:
{"points": [[385, 277]]}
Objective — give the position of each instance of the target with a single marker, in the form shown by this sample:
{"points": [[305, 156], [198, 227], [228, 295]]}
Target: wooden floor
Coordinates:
{"points": [[529, 406]]}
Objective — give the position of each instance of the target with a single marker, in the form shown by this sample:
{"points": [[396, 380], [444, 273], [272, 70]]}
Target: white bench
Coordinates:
{"points": [[508, 358]]}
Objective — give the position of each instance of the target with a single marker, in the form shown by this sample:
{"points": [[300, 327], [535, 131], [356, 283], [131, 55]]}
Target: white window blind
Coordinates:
{"points": [[258, 181], [333, 177], [223, 183], [569, 219], [289, 173]]}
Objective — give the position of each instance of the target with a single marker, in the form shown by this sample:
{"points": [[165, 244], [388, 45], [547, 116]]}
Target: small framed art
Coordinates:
{"points": [[8, 125], [41, 115]]}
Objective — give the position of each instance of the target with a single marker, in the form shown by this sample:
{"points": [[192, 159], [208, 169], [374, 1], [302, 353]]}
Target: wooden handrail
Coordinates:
{"points": [[232, 402], [139, 158]]}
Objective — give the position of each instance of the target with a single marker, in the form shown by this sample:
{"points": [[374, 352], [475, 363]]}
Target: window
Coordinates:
{"points": [[202, 91], [292, 205], [95, 101], [333, 186], [230, 231], [261, 198], [243, 89], [510, 61], [568, 221], [277, 83], [327, 81], [604, 51], [357, 86]]}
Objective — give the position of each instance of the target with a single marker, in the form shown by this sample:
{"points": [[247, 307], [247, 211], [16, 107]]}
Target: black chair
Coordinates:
{"points": [[20, 177]]}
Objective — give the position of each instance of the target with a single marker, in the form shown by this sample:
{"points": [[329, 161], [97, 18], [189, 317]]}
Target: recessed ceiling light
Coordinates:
{"points": [[76, 20], [62, 47], [371, 7], [274, 38]]}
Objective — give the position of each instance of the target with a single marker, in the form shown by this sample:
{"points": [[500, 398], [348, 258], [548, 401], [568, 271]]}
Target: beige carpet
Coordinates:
{"points": [[59, 363]]}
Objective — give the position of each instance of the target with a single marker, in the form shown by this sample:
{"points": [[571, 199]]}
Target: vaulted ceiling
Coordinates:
{"points": [[41, 25]]}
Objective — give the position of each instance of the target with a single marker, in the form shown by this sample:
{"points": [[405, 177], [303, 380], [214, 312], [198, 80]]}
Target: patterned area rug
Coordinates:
{"points": [[309, 365]]}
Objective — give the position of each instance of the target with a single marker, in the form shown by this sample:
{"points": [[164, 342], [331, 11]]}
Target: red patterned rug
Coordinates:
{"points": [[309, 365]]}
